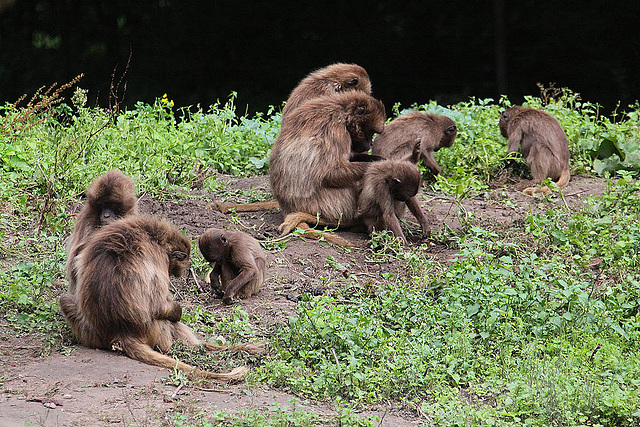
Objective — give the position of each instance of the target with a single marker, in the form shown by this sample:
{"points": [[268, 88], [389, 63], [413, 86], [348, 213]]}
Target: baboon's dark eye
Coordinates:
{"points": [[179, 255], [352, 82]]}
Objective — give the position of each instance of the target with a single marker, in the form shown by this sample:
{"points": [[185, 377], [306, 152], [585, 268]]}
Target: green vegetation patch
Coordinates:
{"points": [[506, 335]]}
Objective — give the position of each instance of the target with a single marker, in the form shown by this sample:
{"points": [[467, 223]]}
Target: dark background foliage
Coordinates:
{"points": [[414, 51]]}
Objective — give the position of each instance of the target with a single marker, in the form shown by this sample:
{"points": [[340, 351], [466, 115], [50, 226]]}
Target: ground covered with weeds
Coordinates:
{"points": [[515, 311]]}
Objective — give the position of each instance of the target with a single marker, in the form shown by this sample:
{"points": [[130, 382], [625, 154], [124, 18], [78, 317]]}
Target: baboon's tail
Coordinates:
{"points": [[302, 220], [564, 178], [138, 350], [245, 207], [251, 348]]}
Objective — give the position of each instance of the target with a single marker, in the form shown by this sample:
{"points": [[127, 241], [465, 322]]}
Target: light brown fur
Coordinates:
{"points": [[310, 170], [110, 197], [400, 135], [331, 79], [387, 185], [123, 299], [240, 263], [541, 141], [430, 132], [328, 80]]}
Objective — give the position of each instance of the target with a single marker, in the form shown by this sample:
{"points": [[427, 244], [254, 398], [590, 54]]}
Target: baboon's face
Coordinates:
{"points": [[179, 261]]}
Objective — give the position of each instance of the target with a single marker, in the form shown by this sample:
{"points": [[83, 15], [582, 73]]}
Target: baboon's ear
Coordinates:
{"points": [[223, 240], [505, 116]]}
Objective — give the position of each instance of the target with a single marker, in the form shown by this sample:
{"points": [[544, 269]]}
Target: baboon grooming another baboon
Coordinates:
{"points": [[542, 143], [400, 135], [240, 263], [123, 298], [331, 79], [387, 185], [109, 197], [311, 175]]}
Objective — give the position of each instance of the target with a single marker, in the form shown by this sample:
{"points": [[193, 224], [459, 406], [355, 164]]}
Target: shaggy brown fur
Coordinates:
{"points": [[334, 78], [325, 81], [309, 166], [433, 131], [542, 143], [109, 198], [385, 185], [123, 298], [240, 263]]}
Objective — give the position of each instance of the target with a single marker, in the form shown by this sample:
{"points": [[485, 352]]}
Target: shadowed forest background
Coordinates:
{"points": [[201, 51]]}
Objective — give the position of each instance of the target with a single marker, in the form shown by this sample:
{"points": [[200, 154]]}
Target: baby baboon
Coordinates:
{"points": [[110, 197], [240, 263], [542, 142], [433, 131], [386, 183], [123, 298], [324, 81], [387, 186], [311, 175]]}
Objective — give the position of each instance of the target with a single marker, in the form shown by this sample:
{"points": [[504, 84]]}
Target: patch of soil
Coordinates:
{"points": [[91, 387]]}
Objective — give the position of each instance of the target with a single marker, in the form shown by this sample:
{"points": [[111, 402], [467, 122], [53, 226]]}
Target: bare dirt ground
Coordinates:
{"points": [[90, 387]]}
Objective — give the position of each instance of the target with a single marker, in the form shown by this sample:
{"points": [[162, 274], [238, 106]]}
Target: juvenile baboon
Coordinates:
{"points": [[433, 131], [386, 185], [109, 197], [542, 143], [123, 299], [240, 263], [334, 78], [311, 175]]}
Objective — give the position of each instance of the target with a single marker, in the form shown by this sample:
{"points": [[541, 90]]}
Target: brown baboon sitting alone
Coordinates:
{"points": [[110, 197], [123, 299], [542, 143], [240, 263]]}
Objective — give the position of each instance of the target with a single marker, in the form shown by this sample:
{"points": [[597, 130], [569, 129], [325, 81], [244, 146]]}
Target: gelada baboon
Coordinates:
{"points": [[334, 78], [123, 299], [542, 142], [386, 185], [399, 178], [311, 175], [432, 130], [240, 263], [109, 197], [331, 79]]}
